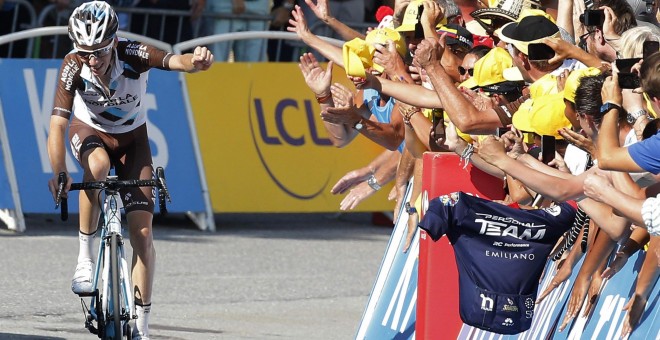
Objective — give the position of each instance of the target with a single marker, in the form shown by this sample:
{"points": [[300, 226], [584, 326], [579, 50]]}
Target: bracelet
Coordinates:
{"points": [[408, 113], [466, 154], [373, 183], [323, 99]]}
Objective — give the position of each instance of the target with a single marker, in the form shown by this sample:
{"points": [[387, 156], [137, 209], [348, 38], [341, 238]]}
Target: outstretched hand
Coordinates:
{"points": [[318, 79], [321, 9], [298, 24]]}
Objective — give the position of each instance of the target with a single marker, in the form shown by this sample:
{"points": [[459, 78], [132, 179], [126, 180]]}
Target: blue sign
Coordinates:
{"points": [[27, 92]]}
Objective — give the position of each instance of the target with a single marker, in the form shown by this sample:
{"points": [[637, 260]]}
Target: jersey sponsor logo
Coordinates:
{"points": [[510, 245], [76, 143], [492, 225], [510, 306], [137, 50], [529, 304], [554, 210], [507, 322], [510, 256], [68, 72], [486, 303], [128, 99]]}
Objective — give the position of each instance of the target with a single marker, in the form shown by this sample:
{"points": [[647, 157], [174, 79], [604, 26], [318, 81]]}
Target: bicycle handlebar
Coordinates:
{"points": [[114, 185]]}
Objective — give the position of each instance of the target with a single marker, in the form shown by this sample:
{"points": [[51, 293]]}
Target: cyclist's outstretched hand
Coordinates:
{"points": [[54, 185], [202, 58]]}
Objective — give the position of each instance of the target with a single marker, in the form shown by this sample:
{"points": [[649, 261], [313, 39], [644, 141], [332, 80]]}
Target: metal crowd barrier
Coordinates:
{"points": [[21, 16], [164, 25]]}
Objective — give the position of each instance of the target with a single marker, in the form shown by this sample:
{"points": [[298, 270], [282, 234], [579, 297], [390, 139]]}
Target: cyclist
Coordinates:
{"points": [[102, 84]]}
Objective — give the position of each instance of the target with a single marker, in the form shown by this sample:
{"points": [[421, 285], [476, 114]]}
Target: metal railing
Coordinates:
{"points": [[22, 16], [163, 27]]}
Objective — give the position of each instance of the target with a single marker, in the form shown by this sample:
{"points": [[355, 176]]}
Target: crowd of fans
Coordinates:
{"points": [[558, 98]]}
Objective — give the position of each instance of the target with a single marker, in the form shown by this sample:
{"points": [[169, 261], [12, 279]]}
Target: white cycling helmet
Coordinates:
{"points": [[92, 23]]}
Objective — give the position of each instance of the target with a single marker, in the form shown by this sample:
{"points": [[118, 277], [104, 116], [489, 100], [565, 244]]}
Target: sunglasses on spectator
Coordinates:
{"points": [[99, 53], [462, 70], [582, 40]]}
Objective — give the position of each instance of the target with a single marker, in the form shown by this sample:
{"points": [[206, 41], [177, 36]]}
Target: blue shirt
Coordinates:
{"points": [[646, 154], [500, 253], [371, 98]]}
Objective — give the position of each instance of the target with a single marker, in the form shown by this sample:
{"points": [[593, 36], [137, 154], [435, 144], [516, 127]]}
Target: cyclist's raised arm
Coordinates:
{"points": [[200, 60]]}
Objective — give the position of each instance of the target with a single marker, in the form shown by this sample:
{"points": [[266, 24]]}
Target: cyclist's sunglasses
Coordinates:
{"points": [[99, 53], [462, 70]]}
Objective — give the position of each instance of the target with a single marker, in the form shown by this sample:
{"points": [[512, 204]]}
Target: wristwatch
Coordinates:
{"points": [[606, 107], [358, 126], [410, 209], [373, 183], [632, 116]]}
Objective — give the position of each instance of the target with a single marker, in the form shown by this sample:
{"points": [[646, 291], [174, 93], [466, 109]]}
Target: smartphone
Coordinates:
{"points": [[539, 51], [438, 121], [629, 80], [547, 148], [593, 17], [624, 65], [502, 130], [650, 47], [419, 30]]}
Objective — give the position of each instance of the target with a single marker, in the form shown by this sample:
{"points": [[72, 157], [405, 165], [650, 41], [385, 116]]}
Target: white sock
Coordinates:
{"points": [[86, 243], [142, 321]]}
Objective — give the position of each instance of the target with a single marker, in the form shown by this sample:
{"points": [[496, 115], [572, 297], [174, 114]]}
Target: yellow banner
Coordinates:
{"points": [[263, 143]]}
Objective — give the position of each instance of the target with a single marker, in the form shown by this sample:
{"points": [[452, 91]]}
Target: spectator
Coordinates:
{"points": [[162, 27], [251, 50]]}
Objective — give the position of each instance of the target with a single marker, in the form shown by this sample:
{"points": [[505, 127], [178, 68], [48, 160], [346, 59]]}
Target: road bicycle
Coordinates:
{"points": [[111, 307]]}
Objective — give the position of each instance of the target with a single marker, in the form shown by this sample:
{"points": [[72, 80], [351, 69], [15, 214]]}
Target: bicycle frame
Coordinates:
{"points": [[111, 215]]}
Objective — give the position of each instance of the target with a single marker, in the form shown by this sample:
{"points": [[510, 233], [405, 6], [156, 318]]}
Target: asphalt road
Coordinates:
{"points": [[271, 276]]}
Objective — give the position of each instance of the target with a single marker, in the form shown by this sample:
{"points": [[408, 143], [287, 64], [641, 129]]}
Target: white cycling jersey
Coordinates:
{"points": [[117, 109]]}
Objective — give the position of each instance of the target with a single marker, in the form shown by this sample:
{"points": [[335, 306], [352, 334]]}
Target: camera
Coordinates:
{"points": [[593, 17]]}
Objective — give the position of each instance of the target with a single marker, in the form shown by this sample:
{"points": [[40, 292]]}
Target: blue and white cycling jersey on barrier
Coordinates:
{"points": [[500, 254]]}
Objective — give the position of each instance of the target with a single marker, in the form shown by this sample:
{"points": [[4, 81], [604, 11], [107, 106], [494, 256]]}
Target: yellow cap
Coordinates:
{"points": [[533, 11], [410, 17], [380, 36], [358, 54], [543, 86], [490, 68], [522, 118], [573, 80], [547, 115]]}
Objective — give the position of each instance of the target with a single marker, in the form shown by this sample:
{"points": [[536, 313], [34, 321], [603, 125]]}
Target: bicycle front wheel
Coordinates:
{"points": [[115, 283]]}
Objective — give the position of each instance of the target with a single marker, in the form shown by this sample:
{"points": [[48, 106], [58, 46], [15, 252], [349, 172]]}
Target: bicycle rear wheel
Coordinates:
{"points": [[115, 283]]}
